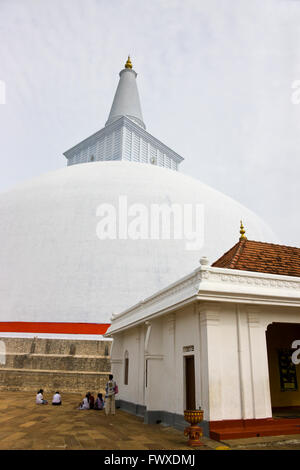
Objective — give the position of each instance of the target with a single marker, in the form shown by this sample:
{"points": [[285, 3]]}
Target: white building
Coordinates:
{"points": [[220, 338]]}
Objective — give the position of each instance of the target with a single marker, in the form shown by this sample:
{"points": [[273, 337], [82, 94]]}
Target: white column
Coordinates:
{"points": [[137, 373], [262, 407], [171, 398], [198, 359], [116, 359], [153, 345], [148, 327], [244, 359], [211, 364]]}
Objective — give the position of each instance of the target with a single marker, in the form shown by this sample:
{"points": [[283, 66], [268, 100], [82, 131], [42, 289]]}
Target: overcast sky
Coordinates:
{"points": [[215, 79]]}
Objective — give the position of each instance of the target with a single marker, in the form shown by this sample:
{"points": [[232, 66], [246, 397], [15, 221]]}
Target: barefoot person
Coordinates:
{"points": [[111, 390]]}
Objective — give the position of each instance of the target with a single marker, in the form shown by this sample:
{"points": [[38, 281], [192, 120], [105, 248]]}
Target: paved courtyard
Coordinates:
{"points": [[25, 425]]}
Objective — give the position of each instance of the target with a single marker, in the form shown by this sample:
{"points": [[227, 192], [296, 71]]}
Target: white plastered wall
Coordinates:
{"points": [[132, 342], [231, 362], [235, 360]]}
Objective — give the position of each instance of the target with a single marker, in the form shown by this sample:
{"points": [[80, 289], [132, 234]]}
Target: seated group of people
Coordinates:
{"points": [[89, 402], [56, 400]]}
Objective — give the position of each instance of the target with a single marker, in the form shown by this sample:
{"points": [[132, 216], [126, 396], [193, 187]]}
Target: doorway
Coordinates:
{"points": [[190, 383], [284, 374]]}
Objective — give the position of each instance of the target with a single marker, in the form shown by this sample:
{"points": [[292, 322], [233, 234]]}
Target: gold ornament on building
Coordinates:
{"points": [[128, 64], [242, 232]]}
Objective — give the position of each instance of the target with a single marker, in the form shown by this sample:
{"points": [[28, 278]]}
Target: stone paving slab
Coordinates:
{"points": [[25, 425], [288, 442]]}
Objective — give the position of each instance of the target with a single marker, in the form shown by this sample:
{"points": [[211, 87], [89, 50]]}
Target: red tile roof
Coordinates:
{"points": [[249, 255]]}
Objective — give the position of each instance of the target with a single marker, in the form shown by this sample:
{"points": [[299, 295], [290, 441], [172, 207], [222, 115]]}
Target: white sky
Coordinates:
{"points": [[214, 76]]}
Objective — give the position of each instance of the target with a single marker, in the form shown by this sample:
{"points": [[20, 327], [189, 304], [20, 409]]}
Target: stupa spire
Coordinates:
{"points": [[124, 136], [127, 101]]}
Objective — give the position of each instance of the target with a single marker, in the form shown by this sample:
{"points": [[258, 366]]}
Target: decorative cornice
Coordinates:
{"points": [[213, 285], [184, 288], [251, 278]]}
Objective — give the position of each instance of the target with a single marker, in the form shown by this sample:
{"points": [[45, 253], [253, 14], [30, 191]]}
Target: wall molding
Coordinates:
{"points": [[212, 285]]}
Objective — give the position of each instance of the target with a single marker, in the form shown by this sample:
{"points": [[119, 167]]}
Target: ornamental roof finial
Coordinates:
{"points": [[242, 232], [128, 64]]}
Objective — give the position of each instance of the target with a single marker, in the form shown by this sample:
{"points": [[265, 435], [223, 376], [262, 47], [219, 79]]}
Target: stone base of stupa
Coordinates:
{"points": [[30, 364]]}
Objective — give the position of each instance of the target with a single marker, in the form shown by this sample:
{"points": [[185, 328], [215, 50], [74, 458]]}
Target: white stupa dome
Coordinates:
{"points": [[53, 266], [56, 267]]}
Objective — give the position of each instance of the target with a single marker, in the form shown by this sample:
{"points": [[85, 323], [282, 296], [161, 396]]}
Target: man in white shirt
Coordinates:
{"points": [[56, 400]]}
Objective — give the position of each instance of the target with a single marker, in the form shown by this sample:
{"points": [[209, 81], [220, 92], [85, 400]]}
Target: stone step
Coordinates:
{"points": [[85, 356], [56, 362], [50, 381], [55, 371], [57, 346]]}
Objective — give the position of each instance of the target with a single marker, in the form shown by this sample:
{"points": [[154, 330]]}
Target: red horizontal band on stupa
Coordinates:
{"points": [[55, 328]]}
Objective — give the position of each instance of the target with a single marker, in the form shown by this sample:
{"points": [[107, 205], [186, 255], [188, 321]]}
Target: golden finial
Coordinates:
{"points": [[242, 232], [128, 64]]}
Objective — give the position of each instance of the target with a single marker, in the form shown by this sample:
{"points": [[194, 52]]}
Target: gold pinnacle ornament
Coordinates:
{"points": [[128, 64], [242, 232]]}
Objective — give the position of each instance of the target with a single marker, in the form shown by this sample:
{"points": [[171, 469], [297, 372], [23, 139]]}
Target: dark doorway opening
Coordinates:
{"points": [[284, 374]]}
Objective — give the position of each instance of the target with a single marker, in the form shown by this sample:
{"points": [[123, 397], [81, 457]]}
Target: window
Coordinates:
{"points": [[126, 368]]}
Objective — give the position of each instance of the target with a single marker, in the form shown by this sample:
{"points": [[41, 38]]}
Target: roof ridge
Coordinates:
{"points": [[240, 247], [233, 250], [252, 255]]}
